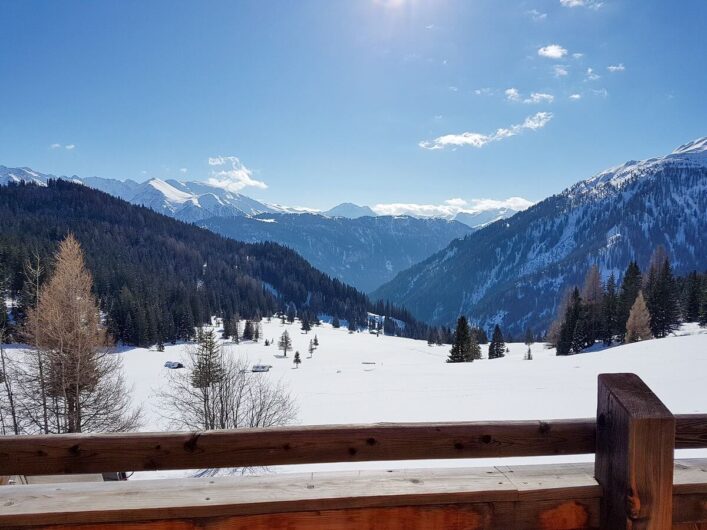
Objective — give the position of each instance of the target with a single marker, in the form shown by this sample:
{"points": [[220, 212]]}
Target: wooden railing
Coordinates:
{"points": [[634, 483]]}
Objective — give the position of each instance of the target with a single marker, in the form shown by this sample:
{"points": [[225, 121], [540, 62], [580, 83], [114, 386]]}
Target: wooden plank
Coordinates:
{"points": [[225, 497], [634, 455], [88, 453], [690, 431]]}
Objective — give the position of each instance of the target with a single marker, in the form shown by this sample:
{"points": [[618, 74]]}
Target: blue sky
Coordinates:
{"points": [[365, 101]]}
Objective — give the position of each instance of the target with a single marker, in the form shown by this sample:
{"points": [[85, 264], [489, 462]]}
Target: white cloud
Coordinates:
{"points": [[183, 170], [592, 75], [478, 140], [601, 92], [575, 97], [560, 70], [483, 92], [69, 147], [540, 97], [454, 89], [552, 51], [577, 55], [536, 15], [55, 146], [59, 146], [451, 207], [232, 175], [616, 67], [512, 94], [591, 4]]}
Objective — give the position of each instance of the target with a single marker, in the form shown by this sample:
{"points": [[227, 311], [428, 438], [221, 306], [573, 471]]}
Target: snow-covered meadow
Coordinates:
{"points": [[410, 381]]}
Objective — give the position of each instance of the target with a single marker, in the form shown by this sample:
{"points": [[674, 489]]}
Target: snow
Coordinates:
{"points": [[411, 382]]}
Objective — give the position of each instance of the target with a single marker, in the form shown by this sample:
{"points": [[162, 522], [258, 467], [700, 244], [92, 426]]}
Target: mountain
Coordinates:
{"points": [[513, 272], [350, 210], [364, 252], [156, 277]]}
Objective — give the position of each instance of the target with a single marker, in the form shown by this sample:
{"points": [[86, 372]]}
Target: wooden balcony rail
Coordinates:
{"points": [[634, 484]]}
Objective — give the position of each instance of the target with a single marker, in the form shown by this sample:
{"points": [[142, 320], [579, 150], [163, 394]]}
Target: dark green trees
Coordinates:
{"points": [[465, 347], [497, 346]]}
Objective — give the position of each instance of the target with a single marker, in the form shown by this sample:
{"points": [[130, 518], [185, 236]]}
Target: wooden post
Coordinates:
{"points": [[634, 455]]}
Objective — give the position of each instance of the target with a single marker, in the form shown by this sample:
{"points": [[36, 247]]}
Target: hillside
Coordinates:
{"points": [[513, 272], [157, 277], [364, 252]]}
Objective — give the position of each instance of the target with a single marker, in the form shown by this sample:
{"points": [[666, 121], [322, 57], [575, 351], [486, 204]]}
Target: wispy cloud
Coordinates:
{"points": [[478, 140], [616, 68], [60, 146], [453, 89], [552, 51], [183, 170], [512, 94], [575, 97], [590, 4], [536, 15], [55, 146], [70, 147], [592, 75], [451, 207], [560, 70], [484, 91], [231, 174]]}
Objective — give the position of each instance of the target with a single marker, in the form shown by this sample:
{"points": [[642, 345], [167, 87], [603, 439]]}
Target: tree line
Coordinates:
{"points": [[644, 305], [157, 279]]}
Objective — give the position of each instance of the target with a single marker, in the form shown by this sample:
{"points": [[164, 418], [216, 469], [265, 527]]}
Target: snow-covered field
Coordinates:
{"points": [[410, 381]]}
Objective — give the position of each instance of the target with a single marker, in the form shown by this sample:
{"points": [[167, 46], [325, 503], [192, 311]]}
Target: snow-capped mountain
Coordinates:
{"points": [[514, 271], [350, 210], [364, 252]]}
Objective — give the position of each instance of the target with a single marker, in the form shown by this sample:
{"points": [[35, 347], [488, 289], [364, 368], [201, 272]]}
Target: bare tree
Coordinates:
{"points": [[71, 381], [638, 326], [9, 422], [217, 391]]}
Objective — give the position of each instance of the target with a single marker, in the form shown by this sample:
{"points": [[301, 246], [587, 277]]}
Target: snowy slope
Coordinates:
{"points": [[513, 272], [412, 382]]}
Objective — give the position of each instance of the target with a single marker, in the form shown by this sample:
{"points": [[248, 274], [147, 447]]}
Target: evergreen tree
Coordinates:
{"points": [[528, 355], [207, 369], [610, 302], [474, 348], [461, 347], [592, 295], [297, 361], [256, 331], [703, 308], [311, 348], [638, 324], [285, 343], [693, 297], [291, 314], [566, 340], [352, 325], [306, 326], [630, 286], [497, 346], [248, 331], [316, 342], [236, 330], [529, 337], [335, 323], [662, 299], [481, 336]]}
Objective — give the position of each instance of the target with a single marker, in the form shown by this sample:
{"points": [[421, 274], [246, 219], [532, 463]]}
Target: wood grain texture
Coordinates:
{"points": [[553, 497], [88, 453], [634, 455]]}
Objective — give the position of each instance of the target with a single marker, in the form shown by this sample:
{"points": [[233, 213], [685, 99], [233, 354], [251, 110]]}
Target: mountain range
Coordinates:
{"points": [[513, 272], [364, 252], [349, 242]]}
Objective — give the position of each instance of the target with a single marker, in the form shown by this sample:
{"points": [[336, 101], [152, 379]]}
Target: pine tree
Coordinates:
{"points": [[481, 336], [693, 297], [630, 285], [497, 346], [529, 337], [297, 361], [248, 332], [256, 332], [316, 342], [566, 340], [207, 369], [474, 348], [306, 326], [285, 343], [592, 295], [352, 325], [311, 348], [461, 347], [609, 325], [661, 298], [638, 324], [335, 323], [528, 355], [703, 308], [291, 314]]}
